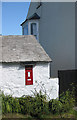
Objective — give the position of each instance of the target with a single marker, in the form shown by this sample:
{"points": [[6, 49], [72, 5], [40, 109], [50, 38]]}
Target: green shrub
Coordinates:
{"points": [[67, 100], [10, 104], [64, 104], [39, 105], [25, 104], [55, 106]]}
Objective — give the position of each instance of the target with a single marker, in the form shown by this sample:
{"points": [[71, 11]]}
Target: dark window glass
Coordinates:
{"points": [[33, 29]]}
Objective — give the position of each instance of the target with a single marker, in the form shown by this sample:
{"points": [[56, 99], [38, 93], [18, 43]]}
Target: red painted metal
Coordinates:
{"points": [[29, 75]]}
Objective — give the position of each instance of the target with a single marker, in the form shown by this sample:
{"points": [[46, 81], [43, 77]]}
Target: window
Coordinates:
{"points": [[34, 29], [31, 28], [25, 30], [29, 75]]}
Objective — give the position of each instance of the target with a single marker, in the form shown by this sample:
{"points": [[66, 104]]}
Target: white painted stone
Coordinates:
{"points": [[13, 80]]}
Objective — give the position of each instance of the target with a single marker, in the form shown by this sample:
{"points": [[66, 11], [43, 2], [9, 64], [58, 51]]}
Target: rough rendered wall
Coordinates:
{"points": [[13, 80]]}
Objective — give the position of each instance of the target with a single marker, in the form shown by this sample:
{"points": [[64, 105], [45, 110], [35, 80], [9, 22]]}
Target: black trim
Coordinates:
{"points": [[39, 5], [33, 17]]}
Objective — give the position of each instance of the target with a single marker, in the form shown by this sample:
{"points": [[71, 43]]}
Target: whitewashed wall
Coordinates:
{"points": [[13, 80]]}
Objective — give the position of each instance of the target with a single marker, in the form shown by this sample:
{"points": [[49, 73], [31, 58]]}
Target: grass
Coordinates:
{"points": [[72, 114], [15, 115]]}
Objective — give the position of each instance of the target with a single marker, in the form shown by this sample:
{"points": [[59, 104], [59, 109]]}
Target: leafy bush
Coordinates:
{"points": [[64, 104], [67, 100], [35, 106], [25, 104], [55, 106], [9, 104], [14, 105], [38, 105]]}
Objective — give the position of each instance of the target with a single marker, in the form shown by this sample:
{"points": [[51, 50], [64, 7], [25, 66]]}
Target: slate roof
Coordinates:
{"points": [[21, 48], [33, 17]]}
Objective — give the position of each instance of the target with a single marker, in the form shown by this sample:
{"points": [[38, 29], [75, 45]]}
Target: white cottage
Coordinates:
{"points": [[24, 67]]}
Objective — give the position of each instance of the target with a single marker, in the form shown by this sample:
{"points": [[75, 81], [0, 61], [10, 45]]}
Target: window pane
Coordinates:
{"points": [[25, 30], [33, 29]]}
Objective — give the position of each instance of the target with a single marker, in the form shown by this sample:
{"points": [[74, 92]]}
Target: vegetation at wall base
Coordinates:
{"points": [[39, 107]]}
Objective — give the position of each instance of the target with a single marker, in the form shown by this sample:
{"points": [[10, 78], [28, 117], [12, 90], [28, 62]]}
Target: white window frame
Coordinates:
{"points": [[29, 27]]}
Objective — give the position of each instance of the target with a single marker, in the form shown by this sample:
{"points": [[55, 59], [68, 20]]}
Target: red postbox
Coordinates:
{"points": [[29, 75]]}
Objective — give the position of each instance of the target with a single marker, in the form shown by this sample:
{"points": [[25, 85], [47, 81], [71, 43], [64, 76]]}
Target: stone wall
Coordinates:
{"points": [[13, 80]]}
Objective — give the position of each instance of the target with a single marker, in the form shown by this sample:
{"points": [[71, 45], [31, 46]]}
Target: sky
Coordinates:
{"points": [[13, 14]]}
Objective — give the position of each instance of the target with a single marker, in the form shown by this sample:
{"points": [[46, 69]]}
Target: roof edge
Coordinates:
{"points": [[35, 16]]}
